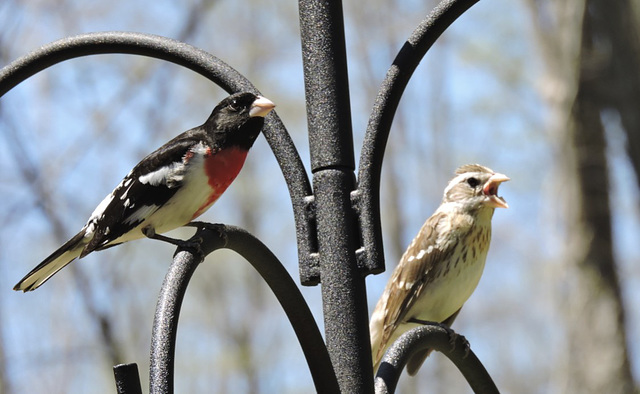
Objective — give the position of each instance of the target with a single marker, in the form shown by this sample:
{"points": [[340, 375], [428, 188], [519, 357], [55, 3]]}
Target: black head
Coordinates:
{"points": [[238, 119]]}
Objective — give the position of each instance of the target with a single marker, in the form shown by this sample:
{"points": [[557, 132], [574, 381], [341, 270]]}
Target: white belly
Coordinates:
{"points": [[445, 295]]}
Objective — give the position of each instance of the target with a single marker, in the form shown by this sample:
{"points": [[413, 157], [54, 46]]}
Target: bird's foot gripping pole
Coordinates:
{"points": [[193, 244], [453, 336], [219, 228]]}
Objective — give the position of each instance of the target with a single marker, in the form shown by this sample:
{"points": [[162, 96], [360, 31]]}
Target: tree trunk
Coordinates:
{"points": [[585, 55], [597, 351]]}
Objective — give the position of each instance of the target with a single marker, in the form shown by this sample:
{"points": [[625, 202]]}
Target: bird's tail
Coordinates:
{"points": [[376, 328], [52, 264]]}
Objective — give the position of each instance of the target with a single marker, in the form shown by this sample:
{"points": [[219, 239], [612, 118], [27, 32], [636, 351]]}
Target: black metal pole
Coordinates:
{"points": [[127, 379], [332, 164], [165, 324]]}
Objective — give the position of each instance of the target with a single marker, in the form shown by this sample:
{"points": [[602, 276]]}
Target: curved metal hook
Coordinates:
{"points": [[185, 262], [367, 197], [432, 336], [202, 63]]}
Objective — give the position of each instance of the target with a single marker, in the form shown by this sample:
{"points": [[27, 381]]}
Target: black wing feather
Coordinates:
{"points": [[115, 220]]}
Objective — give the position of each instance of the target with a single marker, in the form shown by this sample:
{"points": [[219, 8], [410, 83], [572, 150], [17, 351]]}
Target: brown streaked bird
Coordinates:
{"points": [[443, 264]]}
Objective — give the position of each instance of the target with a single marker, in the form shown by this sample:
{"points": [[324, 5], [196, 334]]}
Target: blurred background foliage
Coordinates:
{"points": [[545, 91]]}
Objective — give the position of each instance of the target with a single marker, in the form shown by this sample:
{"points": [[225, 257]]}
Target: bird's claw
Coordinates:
{"points": [[467, 348], [193, 244], [219, 228], [453, 337]]}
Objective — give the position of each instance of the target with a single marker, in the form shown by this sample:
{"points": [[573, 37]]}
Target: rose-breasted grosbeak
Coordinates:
{"points": [[442, 265], [168, 188]]}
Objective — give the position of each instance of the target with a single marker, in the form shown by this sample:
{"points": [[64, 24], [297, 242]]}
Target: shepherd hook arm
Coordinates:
{"points": [[367, 197], [432, 336], [214, 237]]}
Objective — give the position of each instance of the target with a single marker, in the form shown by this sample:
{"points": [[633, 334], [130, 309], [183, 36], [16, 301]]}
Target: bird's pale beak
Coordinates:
{"points": [[261, 107], [491, 191]]}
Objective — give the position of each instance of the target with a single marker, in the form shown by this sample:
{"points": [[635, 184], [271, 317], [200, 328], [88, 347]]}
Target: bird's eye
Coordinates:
{"points": [[233, 105], [473, 182]]}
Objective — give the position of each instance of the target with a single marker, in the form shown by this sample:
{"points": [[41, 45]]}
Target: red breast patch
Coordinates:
{"points": [[221, 168]]}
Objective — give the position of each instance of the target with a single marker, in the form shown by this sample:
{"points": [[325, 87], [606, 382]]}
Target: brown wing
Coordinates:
{"points": [[410, 276]]}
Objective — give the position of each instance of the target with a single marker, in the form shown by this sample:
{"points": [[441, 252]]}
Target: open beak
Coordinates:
{"points": [[490, 190], [261, 107]]}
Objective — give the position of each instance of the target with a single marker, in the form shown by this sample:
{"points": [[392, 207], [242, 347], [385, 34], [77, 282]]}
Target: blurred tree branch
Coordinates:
{"points": [[613, 37], [32, 176], [598, 72], [583, 59]]}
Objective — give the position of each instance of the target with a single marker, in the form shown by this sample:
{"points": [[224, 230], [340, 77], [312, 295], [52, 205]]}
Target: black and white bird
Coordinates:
{"points": [[170, 187]]}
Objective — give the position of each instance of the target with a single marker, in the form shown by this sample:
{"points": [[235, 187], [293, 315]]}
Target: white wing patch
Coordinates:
{"points": [[141, 214], [166, 175], [173, 174], [98, 213], [124, 195]]}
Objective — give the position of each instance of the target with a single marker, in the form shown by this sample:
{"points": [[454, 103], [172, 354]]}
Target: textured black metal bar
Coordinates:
{"points": [[176, 282], [326, 84], [343, 290], [433, 336], [204, 64], [127, 379], [165, 323], [149, 45], [332, 164], [384, 109]]}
